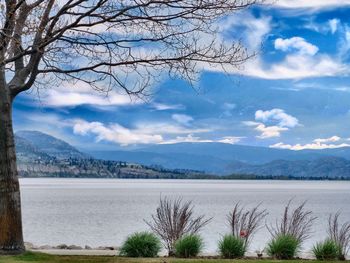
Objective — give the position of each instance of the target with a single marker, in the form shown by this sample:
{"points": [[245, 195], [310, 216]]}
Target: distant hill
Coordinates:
{"points": [[92, 168], [27, 151], [325, 167], [223, 151], [40, 154], [244, 153], [46, 144], [205, 163], [215, 158]]}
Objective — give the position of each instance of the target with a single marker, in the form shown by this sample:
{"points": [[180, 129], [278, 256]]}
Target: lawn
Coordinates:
{"points": [[39, 257]]}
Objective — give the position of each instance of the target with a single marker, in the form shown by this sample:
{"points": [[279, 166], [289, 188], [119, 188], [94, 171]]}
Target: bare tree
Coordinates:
{"points": [[295, 222], [245, 223], [173, 220], [120, 44], [339, 233]]}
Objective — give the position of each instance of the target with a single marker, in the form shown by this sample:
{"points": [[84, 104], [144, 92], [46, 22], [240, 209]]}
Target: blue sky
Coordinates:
{"points": [[294, 94]]}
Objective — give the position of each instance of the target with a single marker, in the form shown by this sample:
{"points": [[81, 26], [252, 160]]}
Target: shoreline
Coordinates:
{"points": [[73, 250], [216, 178]]}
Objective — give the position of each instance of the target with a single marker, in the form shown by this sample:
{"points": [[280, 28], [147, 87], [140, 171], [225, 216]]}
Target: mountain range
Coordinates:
{"points": [[34, 147], [223, 159], [41, 155]]}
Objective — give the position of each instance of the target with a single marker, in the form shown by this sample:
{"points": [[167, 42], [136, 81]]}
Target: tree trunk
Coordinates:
{"points": [[11, 235]]}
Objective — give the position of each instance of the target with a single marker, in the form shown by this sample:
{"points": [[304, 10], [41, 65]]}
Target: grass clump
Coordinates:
{"points": [[283, 247], [339, 233], [327, 250], [175, 219], [142, 244], [189, 246], [231, 247]]}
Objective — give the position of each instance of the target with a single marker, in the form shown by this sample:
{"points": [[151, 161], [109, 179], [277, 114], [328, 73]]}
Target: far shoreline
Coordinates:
{"points": [[209, 178]]}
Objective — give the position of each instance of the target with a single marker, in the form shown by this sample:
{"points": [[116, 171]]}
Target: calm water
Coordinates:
{"points": [[100, 212]]}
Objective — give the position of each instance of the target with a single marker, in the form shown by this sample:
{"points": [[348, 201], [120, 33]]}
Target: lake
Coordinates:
{"points": [[102, 212]]}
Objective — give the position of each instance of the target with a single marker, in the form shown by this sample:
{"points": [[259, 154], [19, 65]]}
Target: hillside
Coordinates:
{"points": [[92, 168], [326, 167], [49, 145], [40, 154], [217, 158]]}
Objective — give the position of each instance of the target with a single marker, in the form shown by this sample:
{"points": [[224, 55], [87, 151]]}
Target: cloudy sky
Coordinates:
{"points": [[294, 94]]}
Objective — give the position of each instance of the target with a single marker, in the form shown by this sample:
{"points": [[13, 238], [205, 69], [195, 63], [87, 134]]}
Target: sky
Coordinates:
{"points": [[294, 94]]}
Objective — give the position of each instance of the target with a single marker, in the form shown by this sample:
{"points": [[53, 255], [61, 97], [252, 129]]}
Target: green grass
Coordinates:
{"points": [[141, 244], [327, 250], [45, 258], [188, 246], [283, 247], [231, 247]]}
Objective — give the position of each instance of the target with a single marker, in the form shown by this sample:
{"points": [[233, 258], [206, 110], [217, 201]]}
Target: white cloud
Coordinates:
{"points": [[71, 94], [295, 66], [344, 43], [253, 29], [188, 138], [230, 139], [153, 133], [333, 24], [115, 133], [251, 123], [182, 118], [195, 139], [307, 62], [167, 128], [317, 144], [162, 106], [343, 89], [283, 119], [269, 131], [279, 122], [315, 85], [298, 43], [266, 131], [72, 99], [141, 133], [331, 139], [315, 4]]}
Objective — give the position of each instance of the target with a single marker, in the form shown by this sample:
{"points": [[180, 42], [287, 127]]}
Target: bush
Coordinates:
{"points": [[182, 220], [296, 222], [142, 244], [188, 246], [231, 247], [340, 234], [283, 247], [327, 250], [245, 222]]}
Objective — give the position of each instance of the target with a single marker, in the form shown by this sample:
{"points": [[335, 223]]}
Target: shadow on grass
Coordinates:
{"points": [[46, 258], [41, 258]]}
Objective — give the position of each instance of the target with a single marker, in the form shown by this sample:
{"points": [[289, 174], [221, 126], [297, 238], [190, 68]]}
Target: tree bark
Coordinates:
{"points": [[11, 234]]}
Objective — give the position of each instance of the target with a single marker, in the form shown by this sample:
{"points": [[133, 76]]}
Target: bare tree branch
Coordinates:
{"points": [[107, 42]]}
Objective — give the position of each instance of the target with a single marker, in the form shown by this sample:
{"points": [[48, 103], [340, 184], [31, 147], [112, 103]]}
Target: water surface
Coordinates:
{"points": [[102, 212]]}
